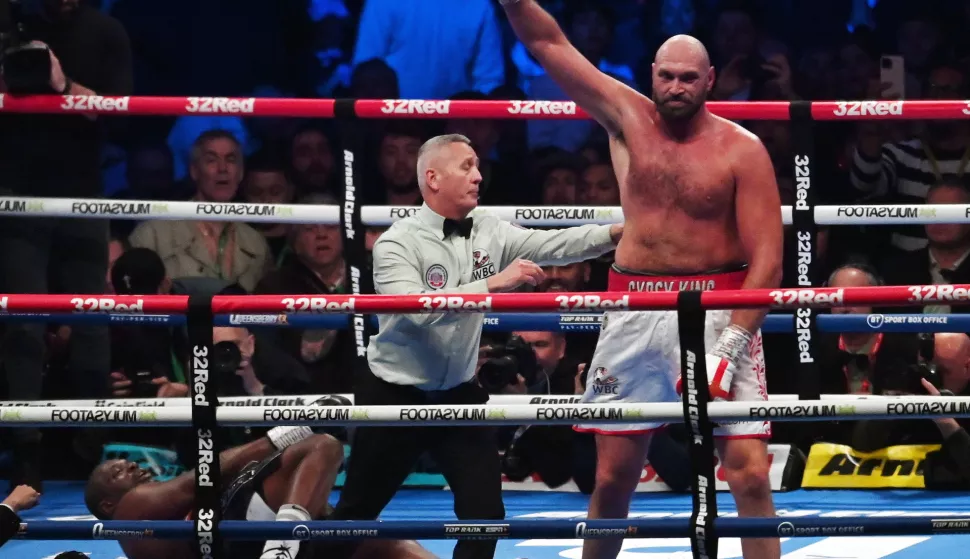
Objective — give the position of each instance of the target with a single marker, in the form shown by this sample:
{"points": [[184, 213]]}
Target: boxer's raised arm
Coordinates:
{"points": [[597, 93], [758, 215]]}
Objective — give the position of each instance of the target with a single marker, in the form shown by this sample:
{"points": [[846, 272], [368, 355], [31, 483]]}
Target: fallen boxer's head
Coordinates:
{"points": [[111, 481], [682, 78]]}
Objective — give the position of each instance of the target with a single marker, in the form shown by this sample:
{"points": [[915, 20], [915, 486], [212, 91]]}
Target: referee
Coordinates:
{"points": [[430, 359]]}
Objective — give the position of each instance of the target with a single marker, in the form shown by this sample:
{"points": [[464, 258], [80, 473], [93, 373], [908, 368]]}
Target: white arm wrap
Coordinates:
{"points": [[283, 437], [732, 343]]}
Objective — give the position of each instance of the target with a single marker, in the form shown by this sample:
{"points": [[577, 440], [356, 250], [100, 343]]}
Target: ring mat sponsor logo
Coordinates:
{"points": [[833, 466]]}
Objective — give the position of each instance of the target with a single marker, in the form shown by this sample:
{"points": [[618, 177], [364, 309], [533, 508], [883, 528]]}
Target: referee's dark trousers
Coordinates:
{"points": [[382, 457]]}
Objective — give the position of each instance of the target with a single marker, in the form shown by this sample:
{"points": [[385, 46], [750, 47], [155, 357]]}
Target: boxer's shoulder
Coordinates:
{"points": [[736, 141], [732, 131]]}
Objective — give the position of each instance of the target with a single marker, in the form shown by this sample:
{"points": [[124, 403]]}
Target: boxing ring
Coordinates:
{"points": [[810, 523]]}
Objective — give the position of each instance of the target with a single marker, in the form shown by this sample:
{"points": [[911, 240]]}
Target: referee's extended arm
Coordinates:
{"points": [[559, 247]]}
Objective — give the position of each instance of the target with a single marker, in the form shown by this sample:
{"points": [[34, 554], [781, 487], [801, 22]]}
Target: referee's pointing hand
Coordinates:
{"points": [[517, 273]]}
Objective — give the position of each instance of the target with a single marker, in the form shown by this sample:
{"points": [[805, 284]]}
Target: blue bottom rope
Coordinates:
{"points": [[509, 322], [512, 529]]}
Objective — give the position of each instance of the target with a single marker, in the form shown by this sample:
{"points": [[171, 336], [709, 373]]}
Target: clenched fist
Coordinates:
{"points": [[23, 497], [516, 274]]}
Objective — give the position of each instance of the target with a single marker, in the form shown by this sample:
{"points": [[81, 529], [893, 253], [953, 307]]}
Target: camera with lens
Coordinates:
{"points": [[504, 362], [226, 358], [223, 364], [26, 68], [907, 375], [142, 385]]}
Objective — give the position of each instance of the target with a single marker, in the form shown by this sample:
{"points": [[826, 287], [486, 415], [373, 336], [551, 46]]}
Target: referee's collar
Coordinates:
{"points": [[432, 219]]}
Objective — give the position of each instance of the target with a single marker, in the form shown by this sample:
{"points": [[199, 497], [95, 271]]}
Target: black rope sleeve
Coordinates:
{"points": [[804, 267], [355, 256], [693, 371], [208, 482]]}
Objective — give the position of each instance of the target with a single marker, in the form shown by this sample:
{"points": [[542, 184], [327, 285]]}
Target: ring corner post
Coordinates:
{"points": [[804, 267], [695, 396], [204, 393]]}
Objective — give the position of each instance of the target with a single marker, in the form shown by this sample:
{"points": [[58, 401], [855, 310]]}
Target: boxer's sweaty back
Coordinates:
{"points": [[677, 195]]}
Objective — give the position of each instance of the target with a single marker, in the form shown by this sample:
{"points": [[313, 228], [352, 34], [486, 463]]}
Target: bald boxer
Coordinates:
{"points": [[702, 211], [286, 475]]}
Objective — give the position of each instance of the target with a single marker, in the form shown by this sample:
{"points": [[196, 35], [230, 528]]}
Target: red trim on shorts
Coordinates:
{"points": [[622, 281]]}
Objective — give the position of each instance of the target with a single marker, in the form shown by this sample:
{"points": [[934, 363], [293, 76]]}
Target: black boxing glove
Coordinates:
{"points": [[332, 400]]}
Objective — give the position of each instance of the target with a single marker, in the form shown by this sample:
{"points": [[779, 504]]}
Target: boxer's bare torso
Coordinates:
{"points": [[678, 197], [698, 192]]}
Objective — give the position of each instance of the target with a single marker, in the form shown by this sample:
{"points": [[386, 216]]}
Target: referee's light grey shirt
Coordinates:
{"points": [[440, 351]]}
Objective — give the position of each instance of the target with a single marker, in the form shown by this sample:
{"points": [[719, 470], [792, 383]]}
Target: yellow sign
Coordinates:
{"points": [[834, 466]]}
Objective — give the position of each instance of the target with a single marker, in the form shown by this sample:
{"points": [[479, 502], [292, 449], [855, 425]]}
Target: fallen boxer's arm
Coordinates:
{"points": [[23, 497]]}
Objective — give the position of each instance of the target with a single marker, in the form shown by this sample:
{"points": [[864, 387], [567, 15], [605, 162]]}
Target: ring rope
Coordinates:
{"points": [[299, 400], [823, 297], [515, 322], [491, 414], [383, 216], [725, 527], [439, 109]]}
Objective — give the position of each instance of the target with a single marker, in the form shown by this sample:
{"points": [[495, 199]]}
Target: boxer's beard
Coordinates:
{"points": [[682, 113]]}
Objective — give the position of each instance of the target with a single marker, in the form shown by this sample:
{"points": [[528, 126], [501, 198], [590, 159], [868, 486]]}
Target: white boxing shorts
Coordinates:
{"points": [[637, 358]]}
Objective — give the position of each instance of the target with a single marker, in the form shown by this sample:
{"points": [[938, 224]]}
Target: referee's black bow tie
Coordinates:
{"points": [[462, 227]]}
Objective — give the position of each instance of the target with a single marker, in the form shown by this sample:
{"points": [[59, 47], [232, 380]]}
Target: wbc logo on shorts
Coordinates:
{"points": [[603, 383], [482, 265], [436, 277]]}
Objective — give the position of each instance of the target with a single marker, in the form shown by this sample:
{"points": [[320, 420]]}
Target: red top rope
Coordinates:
{"points": [[508, 302], [430, 109]]}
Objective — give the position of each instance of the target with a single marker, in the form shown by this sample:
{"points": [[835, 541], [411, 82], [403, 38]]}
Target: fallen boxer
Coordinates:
{"points": [[286, 475]]}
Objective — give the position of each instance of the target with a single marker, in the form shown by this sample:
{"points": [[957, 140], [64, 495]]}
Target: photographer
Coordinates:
{"points": [[71, 49], [537, 363], [252, 366], [526, 363], [930, 364], [950, 467], [144, 357]]}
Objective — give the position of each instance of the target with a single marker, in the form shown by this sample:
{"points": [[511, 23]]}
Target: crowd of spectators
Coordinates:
{"points": [[442, 49]]}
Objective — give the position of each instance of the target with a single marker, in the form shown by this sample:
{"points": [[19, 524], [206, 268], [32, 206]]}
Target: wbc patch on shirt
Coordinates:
{"points": [[436, 277], [482, 265]]}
